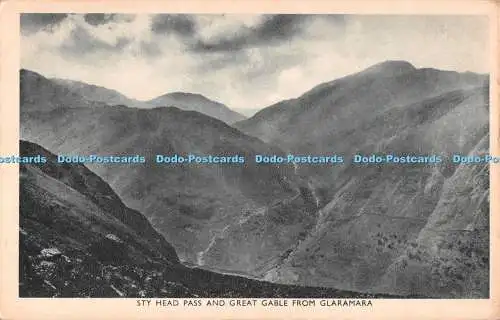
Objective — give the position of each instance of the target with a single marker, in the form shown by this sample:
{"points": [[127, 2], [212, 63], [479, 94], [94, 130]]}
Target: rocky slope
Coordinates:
{"points": [[70, 222], [197, 102], [430, 236], [450, 253], [77, 239], [374, 217], [247, 112]]}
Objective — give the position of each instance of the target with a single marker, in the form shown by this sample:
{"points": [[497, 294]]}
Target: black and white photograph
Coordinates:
{"points": [[266, 155]]}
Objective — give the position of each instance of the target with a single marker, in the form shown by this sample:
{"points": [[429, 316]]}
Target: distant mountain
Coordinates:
{"points": [[197, 102], [41, 94], [248, 112], [100, 94], [77, 239], [54, 93]]}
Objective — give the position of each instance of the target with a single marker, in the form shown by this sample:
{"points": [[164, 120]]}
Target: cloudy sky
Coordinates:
{"points": [[243, 61]]}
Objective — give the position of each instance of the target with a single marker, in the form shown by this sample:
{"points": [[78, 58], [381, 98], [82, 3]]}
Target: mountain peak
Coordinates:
{"points": [[185, 94], [197, 102], [391, 66], [28, 73]]}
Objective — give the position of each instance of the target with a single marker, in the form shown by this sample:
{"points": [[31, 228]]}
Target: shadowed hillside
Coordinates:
{"points": [[197, 102], [373, 217]]}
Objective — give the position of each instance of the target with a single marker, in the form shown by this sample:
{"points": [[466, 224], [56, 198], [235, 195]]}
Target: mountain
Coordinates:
{"points": [[41, 94], [428, 235], [197, 102], [405, 228], [314, 120], [349, 226], [100, 94], [55, 92], [191, 205], [77, 239]]}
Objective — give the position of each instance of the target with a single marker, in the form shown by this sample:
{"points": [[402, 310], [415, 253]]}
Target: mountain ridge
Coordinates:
{"points": [[384, 110], [197, 102], [381, 89], [99, 96]]}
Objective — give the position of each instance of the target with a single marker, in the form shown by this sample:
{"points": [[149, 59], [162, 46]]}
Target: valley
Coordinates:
{"points": [[400, 229]]}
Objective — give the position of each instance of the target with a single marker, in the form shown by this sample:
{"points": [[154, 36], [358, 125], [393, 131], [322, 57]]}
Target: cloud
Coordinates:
{"points": [[180, 24], [96, 19], [279, 27], [272, 30], [81, 42], [150, 49], [34, 22]]}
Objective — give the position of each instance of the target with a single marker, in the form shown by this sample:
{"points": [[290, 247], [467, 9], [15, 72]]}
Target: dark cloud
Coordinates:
{"points": [[81, 42], [96, 19], [274, 29], [34, 22], [179, 24], [279, 27], [222, 45]]}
